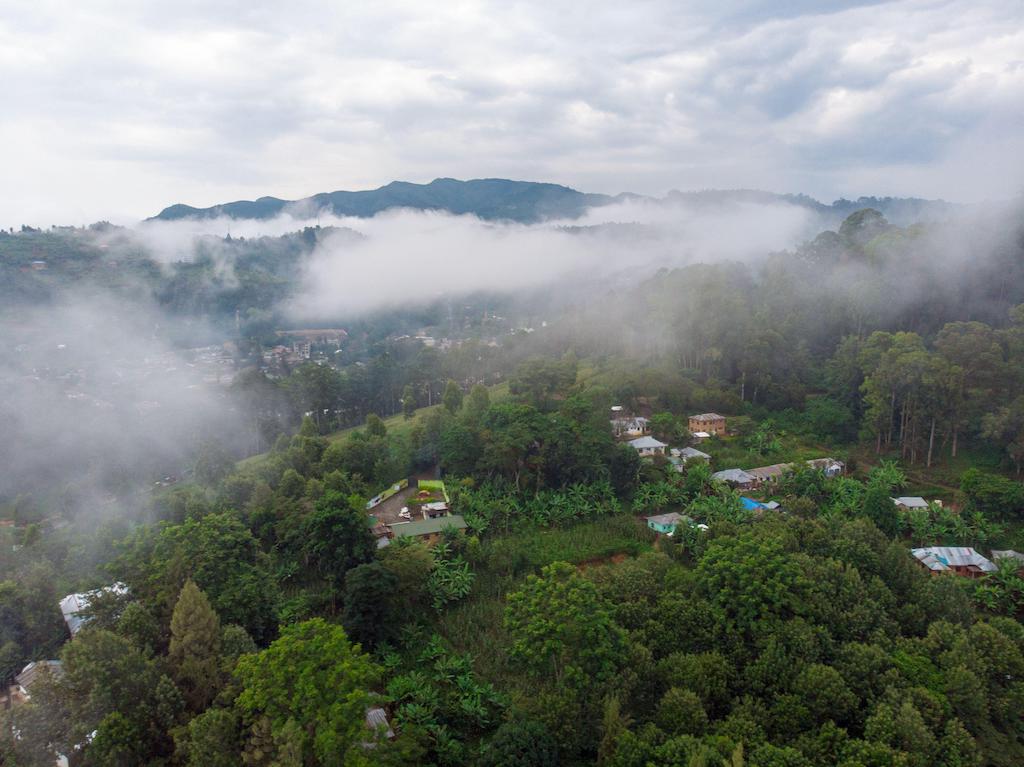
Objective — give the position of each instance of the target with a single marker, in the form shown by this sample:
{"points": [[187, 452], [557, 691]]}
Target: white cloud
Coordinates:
{"points": [[115, 110]]}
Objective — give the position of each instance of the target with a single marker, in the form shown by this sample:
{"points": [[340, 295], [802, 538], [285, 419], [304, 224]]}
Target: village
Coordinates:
{"points": [[758, 483]]}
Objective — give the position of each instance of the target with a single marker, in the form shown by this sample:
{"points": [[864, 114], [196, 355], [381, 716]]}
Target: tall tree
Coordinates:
{"points": [[194, 651], [452, 399]]}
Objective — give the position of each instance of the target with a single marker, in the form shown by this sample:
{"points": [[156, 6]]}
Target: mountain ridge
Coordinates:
{"points": [[495, 199]]}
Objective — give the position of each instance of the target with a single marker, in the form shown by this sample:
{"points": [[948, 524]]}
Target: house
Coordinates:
{"points": [[629, 426], [736, 477], [678, 457], [911, 502], [427, 530], [959, 560], [700, 436], [648, 446], [766, 474], [830, 466], [711, 423], [73, 605], [21, 690], [666, 523], [689, 453]]}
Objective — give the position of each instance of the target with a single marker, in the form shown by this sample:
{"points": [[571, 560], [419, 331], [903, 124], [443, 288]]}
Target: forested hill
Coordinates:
{"points": [[496, 199], [491, 199]]}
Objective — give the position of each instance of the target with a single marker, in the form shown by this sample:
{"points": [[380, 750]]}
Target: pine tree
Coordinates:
{"points": [[195, 647]]}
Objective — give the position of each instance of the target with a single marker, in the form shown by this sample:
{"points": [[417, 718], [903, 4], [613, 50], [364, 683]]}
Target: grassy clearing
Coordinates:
{"points": [[397, 425], [732, 452], [584, 542]]}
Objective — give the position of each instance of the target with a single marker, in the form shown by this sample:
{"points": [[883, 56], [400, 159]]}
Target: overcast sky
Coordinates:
{"points": [[117, 109]]}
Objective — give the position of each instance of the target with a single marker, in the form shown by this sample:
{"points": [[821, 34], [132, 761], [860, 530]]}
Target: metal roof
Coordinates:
{"points": [[427, 526], [73, 605], [646, 442], [942, 558], [708, 417], [1008, 554], [911, 501], [690, 452], [734, 475], [671, 518]]}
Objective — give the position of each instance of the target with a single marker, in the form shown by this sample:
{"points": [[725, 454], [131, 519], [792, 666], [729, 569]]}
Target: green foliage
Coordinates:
{"points": [[217, 552], [313, 687], [452, 399], [368, 615], [520, 743], [751, 581], [561, 630]]}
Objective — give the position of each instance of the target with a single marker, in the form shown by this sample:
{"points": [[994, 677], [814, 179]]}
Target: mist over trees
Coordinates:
{"points": [[262, 616]]}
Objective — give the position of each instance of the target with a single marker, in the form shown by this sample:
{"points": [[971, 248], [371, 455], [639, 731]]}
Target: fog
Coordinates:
{"points": [[96, 401], [99, 397], [411, 256]]}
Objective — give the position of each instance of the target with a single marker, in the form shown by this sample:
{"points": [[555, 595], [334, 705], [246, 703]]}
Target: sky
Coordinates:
{"points": [[114, 110]]}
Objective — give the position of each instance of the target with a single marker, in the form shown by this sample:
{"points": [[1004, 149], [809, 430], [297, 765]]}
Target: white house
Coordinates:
{"points": [[648, 446]]}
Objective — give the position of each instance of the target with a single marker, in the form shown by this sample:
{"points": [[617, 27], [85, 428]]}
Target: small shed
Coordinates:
{"points": [[666, 523]]}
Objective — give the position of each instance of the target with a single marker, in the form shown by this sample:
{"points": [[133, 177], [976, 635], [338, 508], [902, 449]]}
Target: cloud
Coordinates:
{"points": [[97, 401], [114, 111], [410, 257]]}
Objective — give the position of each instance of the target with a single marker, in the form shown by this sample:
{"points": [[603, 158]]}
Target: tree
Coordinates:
{"points": [[680, 712], [477, 403], [368, 615], [452, 399], [410, 564], [520, 743], [213, 462], [560, 629], [194, 651], [313, 686], [668, 428], [337, 538], [212, 739], [750, 580], [223, 558], [878, 506], [110, 688], [375, 427], [408, 402]]}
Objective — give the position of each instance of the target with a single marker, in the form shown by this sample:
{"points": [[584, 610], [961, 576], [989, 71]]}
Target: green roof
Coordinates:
{"points": [[428, 526]]}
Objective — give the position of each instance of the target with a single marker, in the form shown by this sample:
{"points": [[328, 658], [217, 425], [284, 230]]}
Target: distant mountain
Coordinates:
{"points": [[496, 199], [491, 199]]}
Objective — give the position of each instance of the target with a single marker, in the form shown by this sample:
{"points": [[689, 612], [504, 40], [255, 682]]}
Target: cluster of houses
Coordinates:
{"points": [[636, 429], [765, 476]]}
